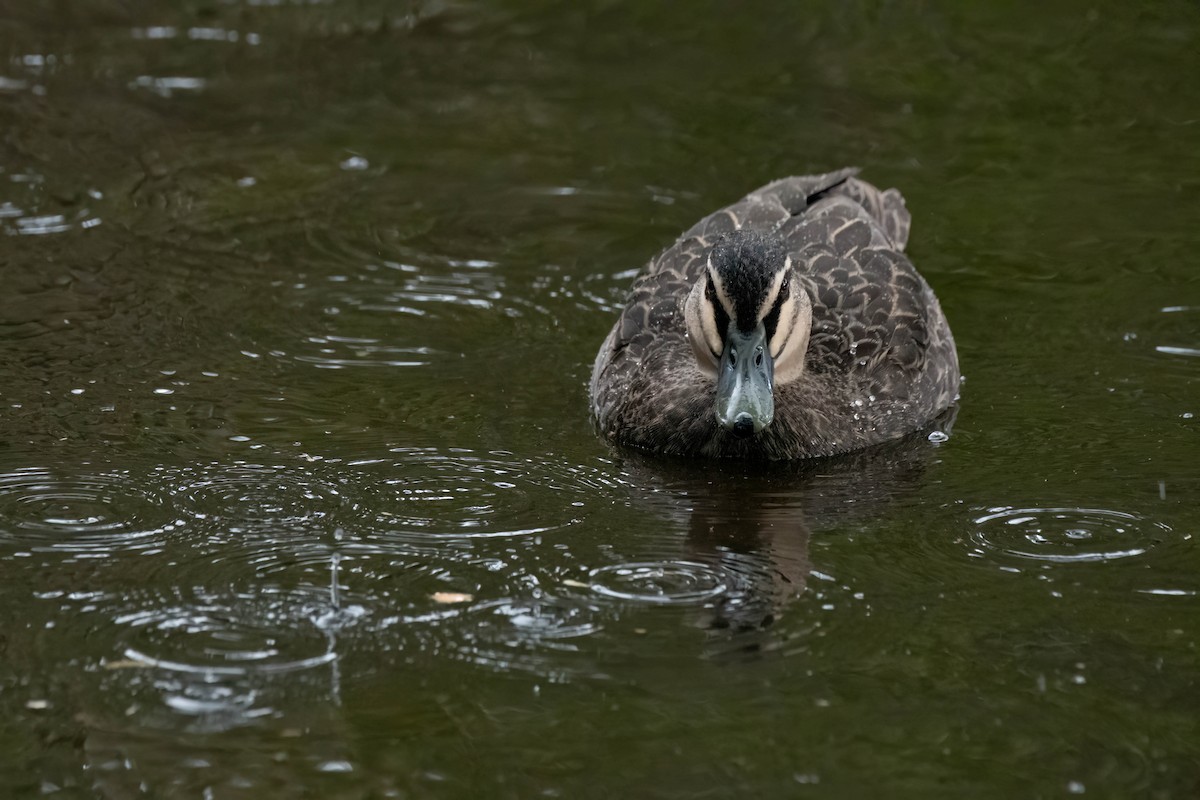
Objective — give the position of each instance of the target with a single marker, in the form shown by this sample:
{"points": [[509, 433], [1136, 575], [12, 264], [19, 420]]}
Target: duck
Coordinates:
{"points": [[788, 325]]}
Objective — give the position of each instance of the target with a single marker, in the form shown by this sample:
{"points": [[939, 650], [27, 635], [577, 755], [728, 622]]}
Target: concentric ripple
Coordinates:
{"points": [[529, 634], [341, 352], [230, 633], [542, 634], [221, 658], [381, 284], [660, 582], [245, 495], [409, 282], [450, 600], [95, 514], [479, 495], [1063, 535]]}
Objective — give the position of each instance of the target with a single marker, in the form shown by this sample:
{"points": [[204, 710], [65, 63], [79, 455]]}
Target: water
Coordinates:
{"points": [[298, 491]]}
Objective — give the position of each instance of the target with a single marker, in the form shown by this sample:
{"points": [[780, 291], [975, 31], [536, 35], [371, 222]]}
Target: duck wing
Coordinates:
{"points": [[871, 308]]}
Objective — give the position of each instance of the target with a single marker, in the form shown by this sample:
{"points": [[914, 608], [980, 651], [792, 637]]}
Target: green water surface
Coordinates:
{"points": [[299, 496]]}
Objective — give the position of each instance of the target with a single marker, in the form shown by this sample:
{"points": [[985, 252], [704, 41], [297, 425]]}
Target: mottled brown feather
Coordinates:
{"points": [[881, 361]]}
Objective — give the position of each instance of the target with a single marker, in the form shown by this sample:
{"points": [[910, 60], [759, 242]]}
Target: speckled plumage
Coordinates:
{"points": [[880, 362]]}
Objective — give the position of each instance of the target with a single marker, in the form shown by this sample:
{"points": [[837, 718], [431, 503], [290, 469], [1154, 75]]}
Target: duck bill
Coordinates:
{"points": [[745, 383]]}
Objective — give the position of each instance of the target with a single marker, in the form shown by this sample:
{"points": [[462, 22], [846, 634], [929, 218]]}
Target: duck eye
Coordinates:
{"points": [[758, 357]]}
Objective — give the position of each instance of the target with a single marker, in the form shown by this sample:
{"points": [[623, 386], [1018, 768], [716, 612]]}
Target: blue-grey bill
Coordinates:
{"points": [[746, 382]]}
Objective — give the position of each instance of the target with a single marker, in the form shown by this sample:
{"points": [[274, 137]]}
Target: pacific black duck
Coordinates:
{"points": [[788, 325]]}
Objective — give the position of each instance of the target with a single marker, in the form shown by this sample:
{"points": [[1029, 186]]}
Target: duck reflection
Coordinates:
{"points": [[754, 521]]}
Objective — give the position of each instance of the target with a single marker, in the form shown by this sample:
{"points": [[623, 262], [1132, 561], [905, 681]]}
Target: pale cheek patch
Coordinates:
{"points": [[702, 330], [792, 339], [708, 323]]}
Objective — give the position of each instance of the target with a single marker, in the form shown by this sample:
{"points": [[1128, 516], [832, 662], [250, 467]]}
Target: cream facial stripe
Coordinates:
{"points": [[719, 287], [786, 307], [709, 324], [716, 314]]}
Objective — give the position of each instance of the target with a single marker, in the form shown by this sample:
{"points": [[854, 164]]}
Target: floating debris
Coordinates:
{"points": [[125, 663], [452, 597]]}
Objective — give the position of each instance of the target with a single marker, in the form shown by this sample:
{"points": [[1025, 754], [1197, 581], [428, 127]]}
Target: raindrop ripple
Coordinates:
{"points": [[660, 582], [229, 633], [1063, 535], [94, 514]]}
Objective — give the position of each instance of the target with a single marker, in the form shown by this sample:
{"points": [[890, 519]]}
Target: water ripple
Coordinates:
{"points": [[378, 279], [1051, 536], [98, 514], [543, 634], [1174, 332], [455, 600], [220, 658], [660, 582], [15, 220], [339, 352], [209, 632], [405, 280], [249, 495], [529, 634], [466, 494]]}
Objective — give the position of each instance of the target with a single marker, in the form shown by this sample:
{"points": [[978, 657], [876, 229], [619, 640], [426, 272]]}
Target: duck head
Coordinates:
{"points": [[748, 319]]}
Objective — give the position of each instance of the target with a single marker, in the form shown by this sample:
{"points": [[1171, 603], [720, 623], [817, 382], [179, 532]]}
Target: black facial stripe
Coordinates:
{"points": [[719, 312], [771, 321]]}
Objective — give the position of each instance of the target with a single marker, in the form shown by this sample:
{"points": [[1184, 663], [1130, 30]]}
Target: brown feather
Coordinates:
{"points": [[881, 360]]}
